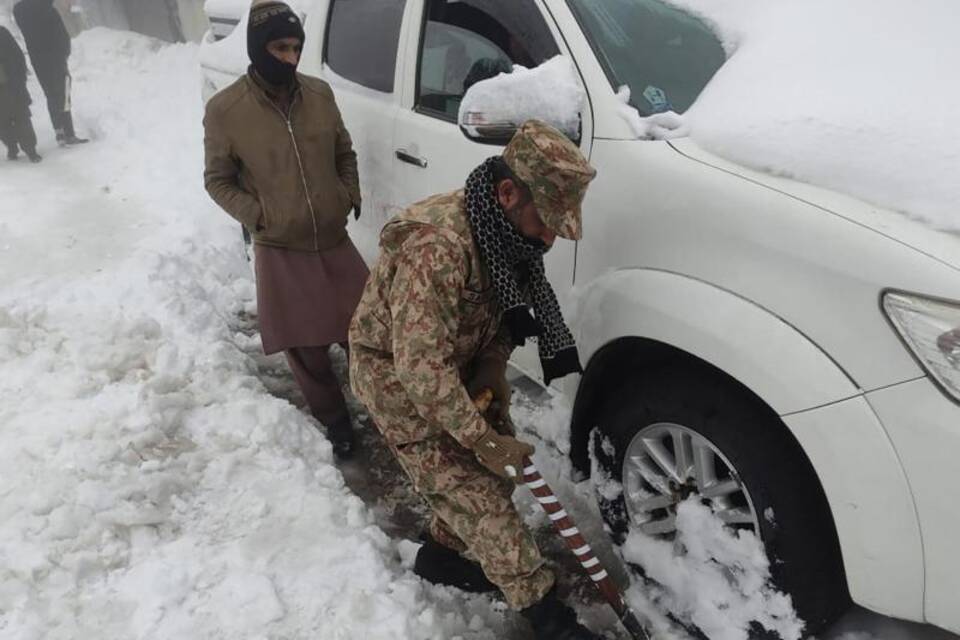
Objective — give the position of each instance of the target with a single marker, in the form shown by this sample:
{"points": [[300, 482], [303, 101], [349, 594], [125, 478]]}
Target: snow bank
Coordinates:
{"points": [[853, 96], [150, 486], [550, 92]]}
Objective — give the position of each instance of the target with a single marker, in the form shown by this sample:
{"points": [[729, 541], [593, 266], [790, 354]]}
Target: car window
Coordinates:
{"points": [[465, 41], [362, 39], [665, 55]]}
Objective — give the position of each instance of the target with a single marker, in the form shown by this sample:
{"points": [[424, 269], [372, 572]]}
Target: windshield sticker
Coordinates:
{"points": [[657, 99]]}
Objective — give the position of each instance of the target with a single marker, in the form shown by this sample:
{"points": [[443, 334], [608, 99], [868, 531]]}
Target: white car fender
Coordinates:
{"points": [[763, 352], [864, 482]]}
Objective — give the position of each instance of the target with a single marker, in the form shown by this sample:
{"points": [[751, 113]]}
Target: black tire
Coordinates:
{"points": [[801, 542]]}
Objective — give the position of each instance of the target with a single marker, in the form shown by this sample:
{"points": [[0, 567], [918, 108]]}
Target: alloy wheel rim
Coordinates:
{"points": [[667, 463]]}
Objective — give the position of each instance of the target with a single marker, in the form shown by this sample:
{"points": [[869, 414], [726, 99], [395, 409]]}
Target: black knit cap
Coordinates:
{"points": [[271, 20]]}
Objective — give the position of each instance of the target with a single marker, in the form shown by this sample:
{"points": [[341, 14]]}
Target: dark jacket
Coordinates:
{"points": [[290, 178], [13, 71], [45, 35]]}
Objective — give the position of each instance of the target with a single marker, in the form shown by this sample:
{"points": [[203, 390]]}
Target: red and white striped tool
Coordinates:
{"points": [[571, 535], [581, 549]]}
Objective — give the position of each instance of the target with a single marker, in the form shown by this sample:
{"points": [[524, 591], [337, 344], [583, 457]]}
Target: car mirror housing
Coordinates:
{"points": [[494, 108], [478, 127]]}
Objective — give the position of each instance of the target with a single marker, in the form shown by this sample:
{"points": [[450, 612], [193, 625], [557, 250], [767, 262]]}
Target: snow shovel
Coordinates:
{"points": [[574, 540]]}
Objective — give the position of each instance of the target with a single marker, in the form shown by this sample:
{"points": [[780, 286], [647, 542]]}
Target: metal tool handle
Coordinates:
{"points": [[572, 537], [575, 541]]}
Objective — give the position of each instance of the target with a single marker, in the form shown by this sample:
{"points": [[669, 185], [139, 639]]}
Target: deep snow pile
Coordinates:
{"points": [[150, 487], [854, 96]]}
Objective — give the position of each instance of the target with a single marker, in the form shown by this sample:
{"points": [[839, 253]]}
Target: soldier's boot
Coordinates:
{"points": [[440, 564], [341, 436], [12, 152], [551, 619], [69, 137]]}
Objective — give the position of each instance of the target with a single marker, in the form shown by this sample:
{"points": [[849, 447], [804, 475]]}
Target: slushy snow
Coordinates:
{"points": [[708, 558]]}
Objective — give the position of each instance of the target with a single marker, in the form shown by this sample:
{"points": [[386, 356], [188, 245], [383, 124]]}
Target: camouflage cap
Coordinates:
{"points": [[556, 173]]}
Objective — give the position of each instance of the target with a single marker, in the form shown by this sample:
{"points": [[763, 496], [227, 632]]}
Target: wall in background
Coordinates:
{"points": [[170, 20]]}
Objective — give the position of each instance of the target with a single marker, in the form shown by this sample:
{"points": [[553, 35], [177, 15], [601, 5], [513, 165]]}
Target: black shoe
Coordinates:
{"points": [[551, 619], [72, 140], [12, 154], [342, 438], [442, 565], [34, 157]]}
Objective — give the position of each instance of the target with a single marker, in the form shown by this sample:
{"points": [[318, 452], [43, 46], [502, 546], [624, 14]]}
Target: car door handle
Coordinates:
{"points": [[403, 156]]}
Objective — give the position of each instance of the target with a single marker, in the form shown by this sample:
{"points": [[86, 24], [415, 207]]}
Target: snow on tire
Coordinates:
{"points": [[686, 430]]}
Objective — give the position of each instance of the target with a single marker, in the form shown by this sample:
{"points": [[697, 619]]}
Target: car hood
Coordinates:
{"points": [[941, 245]]}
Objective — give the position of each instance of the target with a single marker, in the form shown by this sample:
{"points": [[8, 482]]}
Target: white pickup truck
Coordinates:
{"points": [[789, 354]]}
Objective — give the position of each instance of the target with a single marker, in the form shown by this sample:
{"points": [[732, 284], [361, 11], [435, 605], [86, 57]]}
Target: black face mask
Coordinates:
{"points": [[268, 22], [273, 70]]}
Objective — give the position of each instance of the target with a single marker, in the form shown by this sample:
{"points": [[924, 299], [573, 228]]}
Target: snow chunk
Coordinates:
{"points": [[659, 126], [550, 92], [711, 577]]}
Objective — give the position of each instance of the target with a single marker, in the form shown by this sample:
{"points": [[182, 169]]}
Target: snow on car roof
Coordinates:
{"points": [[855, 96]]}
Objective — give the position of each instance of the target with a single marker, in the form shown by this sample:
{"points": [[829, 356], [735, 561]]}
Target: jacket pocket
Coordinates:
{"points": [[343, 195], [263, 223]]}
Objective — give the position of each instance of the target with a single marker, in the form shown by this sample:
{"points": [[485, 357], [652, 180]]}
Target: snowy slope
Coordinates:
{"points": [[150, 487]]}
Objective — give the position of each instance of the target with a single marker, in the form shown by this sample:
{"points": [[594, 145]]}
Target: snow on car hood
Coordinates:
{"points": [[855, 96]]}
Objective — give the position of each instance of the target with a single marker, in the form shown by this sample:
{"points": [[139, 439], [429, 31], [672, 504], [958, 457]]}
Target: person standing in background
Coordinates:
{"points": [[16, 130], [280, 161], [48, 44]]}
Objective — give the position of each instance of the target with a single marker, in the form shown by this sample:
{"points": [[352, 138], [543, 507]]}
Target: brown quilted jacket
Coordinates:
{"points": [[289, 177]]}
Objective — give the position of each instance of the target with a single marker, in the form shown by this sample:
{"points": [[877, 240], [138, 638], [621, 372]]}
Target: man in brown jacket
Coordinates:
{"points": [[281, 162]]}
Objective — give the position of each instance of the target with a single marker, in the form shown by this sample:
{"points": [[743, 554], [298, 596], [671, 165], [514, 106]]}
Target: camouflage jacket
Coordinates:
{"points": [[429, 305]]}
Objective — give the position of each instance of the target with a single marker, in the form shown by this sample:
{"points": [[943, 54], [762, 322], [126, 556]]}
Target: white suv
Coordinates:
{"points": [[790, 354]]}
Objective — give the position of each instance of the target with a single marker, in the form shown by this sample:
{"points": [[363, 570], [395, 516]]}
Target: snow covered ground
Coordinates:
{"points": [[156, 481]]}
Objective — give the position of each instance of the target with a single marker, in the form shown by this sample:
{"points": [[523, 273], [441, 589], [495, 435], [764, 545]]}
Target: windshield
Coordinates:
{"points": [[665, 55]]}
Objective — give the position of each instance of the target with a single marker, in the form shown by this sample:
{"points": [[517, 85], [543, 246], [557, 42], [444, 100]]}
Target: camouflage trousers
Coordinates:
{"points": [[473, 511]]}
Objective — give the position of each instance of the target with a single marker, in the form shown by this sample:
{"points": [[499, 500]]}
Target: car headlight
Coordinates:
{"points": [[931, 329]]}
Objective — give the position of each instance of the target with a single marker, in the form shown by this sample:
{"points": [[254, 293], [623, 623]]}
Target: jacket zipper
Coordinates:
{"points": [[303, 175]]}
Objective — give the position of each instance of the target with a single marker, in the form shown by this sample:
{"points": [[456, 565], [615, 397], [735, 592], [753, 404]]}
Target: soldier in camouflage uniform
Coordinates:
{"points": [[445, 304]]}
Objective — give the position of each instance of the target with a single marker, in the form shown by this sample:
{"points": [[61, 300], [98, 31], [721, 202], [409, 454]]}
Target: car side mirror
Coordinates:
{"points": [[493, 109]]}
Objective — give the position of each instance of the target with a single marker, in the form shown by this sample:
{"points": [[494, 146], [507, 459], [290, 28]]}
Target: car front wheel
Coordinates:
{"points": [[686, 430]]}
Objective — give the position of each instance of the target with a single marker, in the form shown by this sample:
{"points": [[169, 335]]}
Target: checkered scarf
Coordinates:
{"points": [[506, 253]]}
